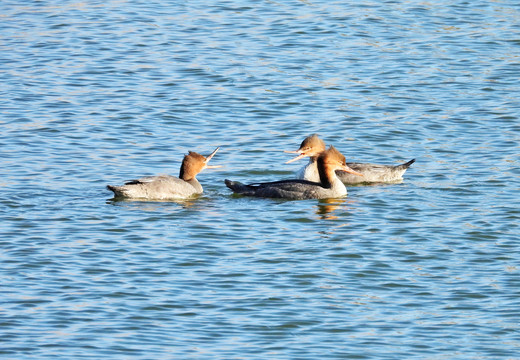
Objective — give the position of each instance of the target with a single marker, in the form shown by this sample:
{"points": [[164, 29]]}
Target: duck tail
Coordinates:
{"points": [[117, 190], [237, 187], [406, 165]]}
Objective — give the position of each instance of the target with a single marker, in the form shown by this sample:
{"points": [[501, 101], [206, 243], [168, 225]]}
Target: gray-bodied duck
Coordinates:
{"points": [[167, 187], [312, 146], [327, 186]]}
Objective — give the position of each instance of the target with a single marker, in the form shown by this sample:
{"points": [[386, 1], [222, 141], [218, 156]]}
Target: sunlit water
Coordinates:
{"points": [[95, 93]]}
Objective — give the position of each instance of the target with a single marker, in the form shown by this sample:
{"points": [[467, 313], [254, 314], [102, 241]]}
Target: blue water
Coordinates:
{"points": [[98, 92]]}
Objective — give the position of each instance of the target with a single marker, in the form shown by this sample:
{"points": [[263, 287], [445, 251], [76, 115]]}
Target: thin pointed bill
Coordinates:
{"points": [[211, 155], [349, 170], [301, 156]]}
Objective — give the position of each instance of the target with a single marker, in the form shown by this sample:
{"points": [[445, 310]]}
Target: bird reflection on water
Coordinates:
{"points": [[327, 207]]}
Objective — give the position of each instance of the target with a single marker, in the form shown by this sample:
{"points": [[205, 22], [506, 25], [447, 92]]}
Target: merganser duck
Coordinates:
{"points": [[312, 146], [327, 186], [165, 187]]}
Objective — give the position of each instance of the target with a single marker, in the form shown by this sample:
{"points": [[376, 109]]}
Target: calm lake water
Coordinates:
{"points": [[99, 92]]}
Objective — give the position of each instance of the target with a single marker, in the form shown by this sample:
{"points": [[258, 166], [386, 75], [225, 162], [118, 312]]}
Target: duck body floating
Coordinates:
{"points": [[167, 187], [327, 186], [312, 146]]}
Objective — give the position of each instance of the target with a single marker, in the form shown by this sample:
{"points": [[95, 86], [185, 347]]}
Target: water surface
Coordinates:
{"points": [[95, 93]]}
